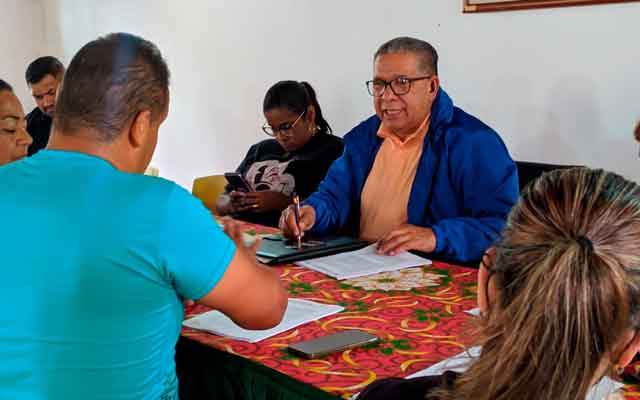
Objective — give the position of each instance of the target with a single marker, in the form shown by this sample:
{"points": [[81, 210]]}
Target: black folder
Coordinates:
{"points": [[275, 249]]}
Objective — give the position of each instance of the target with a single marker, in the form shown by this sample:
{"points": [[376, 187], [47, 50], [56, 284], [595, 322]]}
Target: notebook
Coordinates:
{"points": [[276, 249]]}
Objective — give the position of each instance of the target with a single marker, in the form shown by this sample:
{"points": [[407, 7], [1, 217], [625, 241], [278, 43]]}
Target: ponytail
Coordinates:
{"points": [[323, 125], [567, 273]]}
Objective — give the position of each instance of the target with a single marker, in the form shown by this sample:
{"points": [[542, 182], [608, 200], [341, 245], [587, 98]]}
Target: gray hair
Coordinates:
{"points": [[426, 53]]}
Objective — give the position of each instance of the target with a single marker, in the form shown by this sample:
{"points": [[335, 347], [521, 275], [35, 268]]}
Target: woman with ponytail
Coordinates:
{"points": [[560, 299], [294, 160]]}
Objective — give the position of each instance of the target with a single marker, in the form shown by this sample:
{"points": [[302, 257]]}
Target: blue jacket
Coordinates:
{"points": [[464, 187]]}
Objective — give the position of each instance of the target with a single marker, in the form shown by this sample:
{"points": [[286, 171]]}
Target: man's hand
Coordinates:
{"points": [[288, 221], [407, 237], [258, 201], [232, 228]]}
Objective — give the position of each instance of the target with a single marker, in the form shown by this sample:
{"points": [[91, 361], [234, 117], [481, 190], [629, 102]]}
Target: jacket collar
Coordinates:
{"points": [[441, 113]]}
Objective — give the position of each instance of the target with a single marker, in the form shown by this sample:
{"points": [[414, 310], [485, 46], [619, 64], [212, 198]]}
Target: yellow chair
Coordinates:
{"points": [[208, 189]]}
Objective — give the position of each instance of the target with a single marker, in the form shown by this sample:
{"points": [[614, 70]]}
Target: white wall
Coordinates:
{"points": [[560, 85], [23, 40]]}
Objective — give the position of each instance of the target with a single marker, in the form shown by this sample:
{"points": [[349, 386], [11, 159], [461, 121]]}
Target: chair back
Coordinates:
{"points": [[208, 189], [530, 171]]}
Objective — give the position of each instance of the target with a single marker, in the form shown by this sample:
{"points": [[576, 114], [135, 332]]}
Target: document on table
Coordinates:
{"points": [[474, 311], [298, 312], [362, 262], [459, 363]]}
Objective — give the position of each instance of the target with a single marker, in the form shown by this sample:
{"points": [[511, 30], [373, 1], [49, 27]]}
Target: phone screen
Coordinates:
{"points": [[335, 342], [237, 181]]}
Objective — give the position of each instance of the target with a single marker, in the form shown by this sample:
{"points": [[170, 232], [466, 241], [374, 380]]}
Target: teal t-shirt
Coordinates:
{"points": [[94, 264]]}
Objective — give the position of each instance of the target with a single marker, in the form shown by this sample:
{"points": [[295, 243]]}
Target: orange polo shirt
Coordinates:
{"points": [[385, 196]]}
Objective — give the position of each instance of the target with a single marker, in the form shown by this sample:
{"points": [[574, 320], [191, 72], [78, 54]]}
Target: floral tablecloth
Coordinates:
{"points": [[418, 313]]}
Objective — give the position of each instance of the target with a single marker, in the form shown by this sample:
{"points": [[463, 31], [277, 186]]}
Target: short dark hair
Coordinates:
{"points": [[295, 97], [5, 86], [41, 67], [108, 82], [427, 54]]}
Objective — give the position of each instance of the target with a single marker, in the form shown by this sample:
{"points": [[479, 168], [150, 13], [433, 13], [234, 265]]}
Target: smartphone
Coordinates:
{"points": [[237, 181], [320, 347]]}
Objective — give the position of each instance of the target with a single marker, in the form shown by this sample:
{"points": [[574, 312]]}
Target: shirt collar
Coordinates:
{"points": [[417, 135]]}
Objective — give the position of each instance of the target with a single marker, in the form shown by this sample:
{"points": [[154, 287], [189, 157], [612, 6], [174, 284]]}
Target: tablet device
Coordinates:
{"points": [[325, 345], [237, 182], [275, 249]]}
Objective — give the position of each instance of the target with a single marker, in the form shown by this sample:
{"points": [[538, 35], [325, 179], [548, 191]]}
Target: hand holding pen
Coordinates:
{"points": [[293, 228]]}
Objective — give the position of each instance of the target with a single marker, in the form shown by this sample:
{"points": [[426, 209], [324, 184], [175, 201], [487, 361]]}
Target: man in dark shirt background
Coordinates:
{"points": [[43, 77]]}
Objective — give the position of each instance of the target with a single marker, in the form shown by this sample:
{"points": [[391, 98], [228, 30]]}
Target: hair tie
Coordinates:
{"points": [[585, 243]]}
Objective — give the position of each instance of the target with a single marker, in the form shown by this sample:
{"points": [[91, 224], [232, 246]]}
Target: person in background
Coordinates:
{"points": [[100, 307], [421, 174], [43, 77], [14, 139], [294, 160], [559, 296]]}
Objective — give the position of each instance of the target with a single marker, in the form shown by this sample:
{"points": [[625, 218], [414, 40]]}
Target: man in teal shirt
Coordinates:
{"points": [[94, 308]]}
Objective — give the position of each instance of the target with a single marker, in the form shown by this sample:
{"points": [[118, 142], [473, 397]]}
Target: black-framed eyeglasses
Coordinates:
{"points": [[399, 86], [283, 129]]}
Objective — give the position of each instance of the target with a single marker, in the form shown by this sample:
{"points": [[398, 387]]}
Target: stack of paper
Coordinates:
{"points": [[362, 262], [298, 312], [459, 363]]}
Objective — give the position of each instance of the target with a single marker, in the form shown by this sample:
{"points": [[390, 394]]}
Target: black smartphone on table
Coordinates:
{"points": [[325, 345], [237, 182]]}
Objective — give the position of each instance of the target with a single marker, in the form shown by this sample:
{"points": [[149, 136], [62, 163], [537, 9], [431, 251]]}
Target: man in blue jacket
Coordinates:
{"points": [[421, 174]]}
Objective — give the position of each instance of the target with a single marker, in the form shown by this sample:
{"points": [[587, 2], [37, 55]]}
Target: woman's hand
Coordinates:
{"points": [[267, 200]]}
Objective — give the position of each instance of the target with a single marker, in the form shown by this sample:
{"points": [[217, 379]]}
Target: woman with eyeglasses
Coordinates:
{"points": [[294, 160], [559, 294]]}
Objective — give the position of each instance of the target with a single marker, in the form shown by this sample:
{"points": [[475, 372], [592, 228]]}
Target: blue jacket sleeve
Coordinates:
{"points": [[332, 200], [487, 179]]}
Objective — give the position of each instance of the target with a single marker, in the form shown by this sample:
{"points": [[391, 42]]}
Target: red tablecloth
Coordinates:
{"points": [[418, 314]]}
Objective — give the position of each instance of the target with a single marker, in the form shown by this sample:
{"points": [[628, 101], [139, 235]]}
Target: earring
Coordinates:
{"points": [[313, 129]]}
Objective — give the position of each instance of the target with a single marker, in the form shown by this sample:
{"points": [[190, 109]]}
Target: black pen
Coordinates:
{"points": [[296, 213]]}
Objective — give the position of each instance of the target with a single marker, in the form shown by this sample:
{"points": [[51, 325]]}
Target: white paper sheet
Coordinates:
{"points": [[457, 363], [460, 362], [298, 312], [474, 311], [362, 262]]}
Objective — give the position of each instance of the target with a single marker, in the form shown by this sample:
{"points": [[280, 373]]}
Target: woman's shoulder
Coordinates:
{"points": [[268, 147], [328, 139], [409, 389]]}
